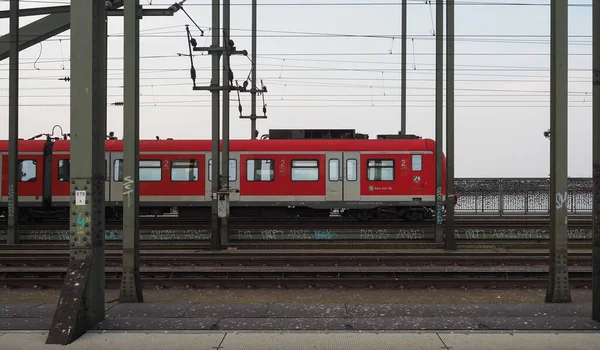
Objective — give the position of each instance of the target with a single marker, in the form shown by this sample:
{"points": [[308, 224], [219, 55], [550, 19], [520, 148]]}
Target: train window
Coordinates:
{"points": [[232, 170], [351, 170], [118, 170], [334, 170], [305, 170], [150, 170], [184, 170], [260, 170], [64, 170], [380, 170], [417, 162], [28, 169]]}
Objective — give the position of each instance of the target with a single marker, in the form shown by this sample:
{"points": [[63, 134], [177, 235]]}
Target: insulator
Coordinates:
{"points": [[230, 76], [193, 42]]}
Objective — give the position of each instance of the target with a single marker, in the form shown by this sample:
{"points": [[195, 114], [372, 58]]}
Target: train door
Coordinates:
{"points": [[116, 186], [107, 178], [208, 177], [351, 176], [335, 184], [417, 182], [234, 175]]}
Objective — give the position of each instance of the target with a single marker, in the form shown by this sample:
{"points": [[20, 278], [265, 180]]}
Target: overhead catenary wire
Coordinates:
{"points": [[325, 81]]}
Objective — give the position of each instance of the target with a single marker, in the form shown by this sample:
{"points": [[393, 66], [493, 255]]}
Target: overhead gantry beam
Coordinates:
{"points": [[57, 21], [36, 32]]}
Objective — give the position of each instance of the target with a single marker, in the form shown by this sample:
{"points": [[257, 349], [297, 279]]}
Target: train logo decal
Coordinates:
{"points": [[417, 179], [371, 188]]}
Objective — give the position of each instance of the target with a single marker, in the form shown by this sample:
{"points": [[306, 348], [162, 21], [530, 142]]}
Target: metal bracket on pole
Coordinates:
{"points": [[253, 114], [222, 198]]}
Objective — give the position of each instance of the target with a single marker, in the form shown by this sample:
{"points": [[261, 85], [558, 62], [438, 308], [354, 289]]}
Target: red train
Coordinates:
{"points": [[360, 178]]}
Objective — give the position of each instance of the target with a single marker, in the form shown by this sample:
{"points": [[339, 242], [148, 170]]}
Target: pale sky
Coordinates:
{"points": [[337, 66]]}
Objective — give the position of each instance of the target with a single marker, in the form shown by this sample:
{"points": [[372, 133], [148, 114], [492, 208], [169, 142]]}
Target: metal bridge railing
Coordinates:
{"points": [[519, 195]]}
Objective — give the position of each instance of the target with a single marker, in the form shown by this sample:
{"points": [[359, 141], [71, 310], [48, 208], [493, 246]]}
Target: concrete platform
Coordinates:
{"points": [[317, 317], [301, 340]]}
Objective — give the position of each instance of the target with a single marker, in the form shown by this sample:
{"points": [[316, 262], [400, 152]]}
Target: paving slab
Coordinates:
{"points": [[276, 341], [34, 310], [227, 310], [414, 323], [385, 310], [426, 310], [43, 311], [535, 341], [148, 310], [282, 324], [95, 341], [456, 310], [152, 324], [8, 310], [25, 324], [534, 310], [306, 310], [539, 323]]}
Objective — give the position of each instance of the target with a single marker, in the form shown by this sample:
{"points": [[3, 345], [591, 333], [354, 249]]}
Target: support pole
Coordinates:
{"points": [[254, 85], [215, 241], [450, 242], [131, 287], [227, 83], [596, 164], [81, 303], [14, 171], [403, 74], [439, 117], [558, 286]]}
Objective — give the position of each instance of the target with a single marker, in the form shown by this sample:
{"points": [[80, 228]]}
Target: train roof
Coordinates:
{"points": [[308, 145], [25, 145], [271, 145]]}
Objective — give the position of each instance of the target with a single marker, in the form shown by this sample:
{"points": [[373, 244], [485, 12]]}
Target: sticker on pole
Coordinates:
{"points": [[80, 197]]}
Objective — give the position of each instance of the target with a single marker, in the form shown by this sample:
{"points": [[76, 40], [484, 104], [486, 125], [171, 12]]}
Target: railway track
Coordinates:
{"points": [[333, 222], [307, 270], [287, 246], [174, 224], [114, 258]]}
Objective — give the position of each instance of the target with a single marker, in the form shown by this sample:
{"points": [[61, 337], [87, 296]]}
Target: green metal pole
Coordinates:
{"points": [[14, 171], [403, 73], [225, 160], [596, 165], [81, 303], [450, 242], [215, 242], [558, 287], [439, 117], [131, 287], [254, 85]]}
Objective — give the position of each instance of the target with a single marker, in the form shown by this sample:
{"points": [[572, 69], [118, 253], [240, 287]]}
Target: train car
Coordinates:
{"points": [[362, 179], [33, 190]]}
